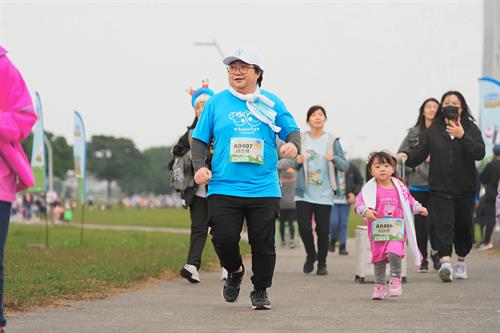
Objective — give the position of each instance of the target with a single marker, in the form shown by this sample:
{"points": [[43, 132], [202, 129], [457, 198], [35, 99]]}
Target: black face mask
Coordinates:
{"points": [[450, 112]]}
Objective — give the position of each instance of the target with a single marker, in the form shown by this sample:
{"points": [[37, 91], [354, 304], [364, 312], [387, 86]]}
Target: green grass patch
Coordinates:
{"points": [[107, 260], [154, 217]]}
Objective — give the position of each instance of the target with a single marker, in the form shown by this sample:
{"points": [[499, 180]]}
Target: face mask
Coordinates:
{"points": [[450, 112]]}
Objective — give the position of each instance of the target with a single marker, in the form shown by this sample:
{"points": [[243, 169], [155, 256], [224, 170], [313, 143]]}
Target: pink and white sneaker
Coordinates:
{"points": [[395, 289], [378, 292]]}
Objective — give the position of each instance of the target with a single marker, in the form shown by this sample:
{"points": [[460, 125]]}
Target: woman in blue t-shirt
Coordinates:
{"points": [[321, 156]]}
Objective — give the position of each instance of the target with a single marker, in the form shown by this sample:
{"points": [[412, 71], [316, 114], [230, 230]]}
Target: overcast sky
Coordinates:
{"points": [[125, 65]]}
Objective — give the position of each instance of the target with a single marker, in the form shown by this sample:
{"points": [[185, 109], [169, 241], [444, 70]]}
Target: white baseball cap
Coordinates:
{"points": [[246, 55]]}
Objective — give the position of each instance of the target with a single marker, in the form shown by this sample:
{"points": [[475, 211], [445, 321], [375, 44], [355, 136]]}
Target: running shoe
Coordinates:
{"points": [[308, 265], [485, 246], [446, 272], [322, 270], [460, 271], [424, 267], [378, 292], [395, 289], [260, 300], [190, 273], [436, 263], [231, 290]]}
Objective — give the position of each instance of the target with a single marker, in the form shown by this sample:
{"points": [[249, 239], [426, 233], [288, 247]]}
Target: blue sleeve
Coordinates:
{"points": [[285, 120], [205, 125], [339, 161]]}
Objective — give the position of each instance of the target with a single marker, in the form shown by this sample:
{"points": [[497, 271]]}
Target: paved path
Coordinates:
{"points": [[301, 303]]}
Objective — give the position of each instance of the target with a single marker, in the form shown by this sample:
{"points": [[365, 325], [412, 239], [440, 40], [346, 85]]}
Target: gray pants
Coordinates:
{"points": [[395, 264]]}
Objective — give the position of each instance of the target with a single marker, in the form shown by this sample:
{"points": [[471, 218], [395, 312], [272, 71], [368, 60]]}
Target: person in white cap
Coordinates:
{"points": [[243, 121]]}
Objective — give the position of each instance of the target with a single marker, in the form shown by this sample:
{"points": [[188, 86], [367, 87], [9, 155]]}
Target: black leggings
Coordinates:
{"points": [[305, 212], [290, 216], [453, 221], [424, 225]]}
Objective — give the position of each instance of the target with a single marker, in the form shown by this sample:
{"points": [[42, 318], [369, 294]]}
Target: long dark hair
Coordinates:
{"points": [[421, 119], [383, 157], [466, 115]]}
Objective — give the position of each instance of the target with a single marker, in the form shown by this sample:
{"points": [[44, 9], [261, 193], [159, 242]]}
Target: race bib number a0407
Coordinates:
{"points": [[247, 150], [387, 229]]}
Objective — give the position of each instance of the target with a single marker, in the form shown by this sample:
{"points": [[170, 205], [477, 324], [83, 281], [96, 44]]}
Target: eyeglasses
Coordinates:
{"points": [[243, 69]]}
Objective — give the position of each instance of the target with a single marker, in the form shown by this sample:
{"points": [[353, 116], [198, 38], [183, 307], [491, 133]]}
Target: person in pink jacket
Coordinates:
{"points": [[17, 117]]}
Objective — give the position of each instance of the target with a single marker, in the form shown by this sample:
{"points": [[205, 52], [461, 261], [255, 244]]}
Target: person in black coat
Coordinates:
{"points": [[454, 143], [489, 177]]}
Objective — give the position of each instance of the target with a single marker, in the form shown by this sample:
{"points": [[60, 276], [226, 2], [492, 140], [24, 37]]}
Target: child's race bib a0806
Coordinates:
{"points": [[247, 150], [387, 229]]}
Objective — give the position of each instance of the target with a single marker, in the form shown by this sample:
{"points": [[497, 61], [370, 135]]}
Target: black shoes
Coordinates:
{"points": [[260, 300], [231, 290], [309, 265], [331, 247], [424, 267], [322, 270], [435, 260], [342, 250]]}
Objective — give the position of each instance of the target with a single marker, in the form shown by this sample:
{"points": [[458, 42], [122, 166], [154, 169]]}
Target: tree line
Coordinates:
{"points": [[114, 159]]}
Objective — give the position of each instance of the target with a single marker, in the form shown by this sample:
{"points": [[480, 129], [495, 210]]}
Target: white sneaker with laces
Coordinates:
{"points": [[460, 271], [190, 273]]}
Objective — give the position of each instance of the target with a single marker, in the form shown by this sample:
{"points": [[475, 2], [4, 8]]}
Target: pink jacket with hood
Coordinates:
{"points": [[17, 117]]}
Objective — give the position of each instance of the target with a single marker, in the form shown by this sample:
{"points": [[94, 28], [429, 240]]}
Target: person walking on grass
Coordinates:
{"points": [[454, 143], [17, 117], [321, 157], [388, 208], [243, 183], [417, 179]]}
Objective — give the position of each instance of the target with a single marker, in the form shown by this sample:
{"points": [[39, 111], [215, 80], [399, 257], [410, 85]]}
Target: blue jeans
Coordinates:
{"points": [[338, 222], [4, 228]]}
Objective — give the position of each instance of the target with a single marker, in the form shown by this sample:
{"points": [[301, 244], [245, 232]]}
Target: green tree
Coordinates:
{"points": [[62, 153], [117, 159], [158, 175]]}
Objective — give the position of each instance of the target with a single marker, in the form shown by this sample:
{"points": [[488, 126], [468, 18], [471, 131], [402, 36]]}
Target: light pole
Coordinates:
{"points": [[212, 43]]}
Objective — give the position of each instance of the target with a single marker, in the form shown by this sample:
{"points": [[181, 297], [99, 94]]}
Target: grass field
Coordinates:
{"points": [[156, 217], [108, 260], [161, 217]]}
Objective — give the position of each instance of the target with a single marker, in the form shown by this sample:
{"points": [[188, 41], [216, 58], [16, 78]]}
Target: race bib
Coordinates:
{"points": [[247, 150], [387, 229]]}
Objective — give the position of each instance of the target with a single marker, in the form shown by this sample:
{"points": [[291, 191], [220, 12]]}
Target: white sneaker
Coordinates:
{"points": [[190, 273], [223, 274], [445, 272], [460, 271], [485, 246]]}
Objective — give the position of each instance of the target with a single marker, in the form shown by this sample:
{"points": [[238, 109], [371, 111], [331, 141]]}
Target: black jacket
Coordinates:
{"points": [[182, 147], [354, 180], [489, 178], [452, 172]]}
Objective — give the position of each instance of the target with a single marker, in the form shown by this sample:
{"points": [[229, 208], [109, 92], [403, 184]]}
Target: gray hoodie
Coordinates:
{"points": [[419, 175]]}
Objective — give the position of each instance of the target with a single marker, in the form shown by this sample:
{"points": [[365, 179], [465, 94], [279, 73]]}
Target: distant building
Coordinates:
{"points": [[491, 50]]}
